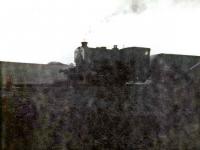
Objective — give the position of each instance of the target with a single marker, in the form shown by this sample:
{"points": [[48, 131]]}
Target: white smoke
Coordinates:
{"points": [[169, 26], [140, 6]]}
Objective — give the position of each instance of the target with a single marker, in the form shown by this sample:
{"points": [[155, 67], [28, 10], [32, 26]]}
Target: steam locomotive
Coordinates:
{"points": [[109, 66]]}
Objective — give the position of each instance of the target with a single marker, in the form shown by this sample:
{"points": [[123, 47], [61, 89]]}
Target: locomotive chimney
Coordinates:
{"points": [[115, 47], [84, 44]]}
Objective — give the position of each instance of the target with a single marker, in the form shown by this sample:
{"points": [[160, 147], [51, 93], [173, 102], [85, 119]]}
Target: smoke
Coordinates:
{"points": [[140, 6]]}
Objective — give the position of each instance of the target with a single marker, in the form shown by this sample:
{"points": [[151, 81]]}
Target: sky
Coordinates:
{"points": [[41, 31]]}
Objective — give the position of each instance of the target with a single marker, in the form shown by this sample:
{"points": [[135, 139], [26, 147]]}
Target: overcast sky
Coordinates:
{"points": [[40, 31]]}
